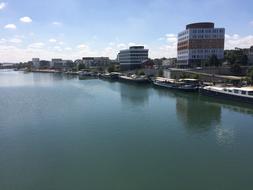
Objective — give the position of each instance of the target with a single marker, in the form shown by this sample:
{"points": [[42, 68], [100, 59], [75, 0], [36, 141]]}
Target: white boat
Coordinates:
{"points": [[134, 78], [242, 94], [189, 85]]}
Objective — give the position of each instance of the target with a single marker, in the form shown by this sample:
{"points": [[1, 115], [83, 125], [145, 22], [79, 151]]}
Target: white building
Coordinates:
{"points": [[199, 42], [96, 61], [57, 64], [169, 62], [133, 57], [36, 62]]}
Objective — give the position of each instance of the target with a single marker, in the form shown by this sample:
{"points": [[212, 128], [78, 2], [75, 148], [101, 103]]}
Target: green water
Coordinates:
{"points": [[57, 132]]}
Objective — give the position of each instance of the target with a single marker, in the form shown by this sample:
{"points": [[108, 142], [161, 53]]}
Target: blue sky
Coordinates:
{"points": [[72, 29]]}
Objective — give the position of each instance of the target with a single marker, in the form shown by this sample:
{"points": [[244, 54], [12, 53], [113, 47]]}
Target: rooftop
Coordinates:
{"points": [[200, 25]]}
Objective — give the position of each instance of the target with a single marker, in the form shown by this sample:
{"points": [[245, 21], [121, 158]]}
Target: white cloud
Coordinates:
{"points": [[122, 46], [2, 5], [15, 40], [167, 47], [82, 46], [131, 44], [171, 38], [37, 45], [68, 48], [61, 43], [10, 26], [235, 40], [52, 40], [57, 23], [25, 19], [2, 40], [57, 48]]}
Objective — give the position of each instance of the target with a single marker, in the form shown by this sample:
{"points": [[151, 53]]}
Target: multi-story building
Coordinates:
{"points": [[171, 62], [132, 58], [57, 64], [96, 61], [198, 42], [36, 62], [44, 64]]}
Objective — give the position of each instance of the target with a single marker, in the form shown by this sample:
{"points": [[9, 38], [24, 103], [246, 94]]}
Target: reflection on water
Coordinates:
{"points": [[137, 95], [197, 114], [15, 79], [229, 105]]}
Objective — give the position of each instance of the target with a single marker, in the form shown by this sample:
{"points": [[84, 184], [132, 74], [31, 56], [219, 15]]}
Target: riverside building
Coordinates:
{"points": [[198, 42], [132, 58]]}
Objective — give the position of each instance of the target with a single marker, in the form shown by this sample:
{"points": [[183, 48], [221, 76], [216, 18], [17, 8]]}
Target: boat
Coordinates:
{"points": [[134, 78], [87, 75], [242, 94], [188, 85], [110, 76], [164, 82]]}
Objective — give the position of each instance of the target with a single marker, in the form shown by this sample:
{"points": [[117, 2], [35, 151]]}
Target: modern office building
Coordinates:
{"points": [[36, 62], [57, 63], [198, 42], [133, 57], [44, 64], [96, 61]]}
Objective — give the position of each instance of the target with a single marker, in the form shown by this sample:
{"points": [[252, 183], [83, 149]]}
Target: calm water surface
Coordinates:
{"points": [[57, 132]]}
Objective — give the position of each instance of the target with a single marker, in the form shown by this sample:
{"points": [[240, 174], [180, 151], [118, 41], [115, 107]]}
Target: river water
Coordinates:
{"points": [[57, 132]]}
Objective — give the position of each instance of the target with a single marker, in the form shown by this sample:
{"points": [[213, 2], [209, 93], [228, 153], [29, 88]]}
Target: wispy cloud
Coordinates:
{"points": [[171, 38], [2, 40], [2, 5], [56, 23], [52, 40], [10, 26], [82, 46], [25, 19], [251, 23], [37, 45], [15, 40], [236, 40]]}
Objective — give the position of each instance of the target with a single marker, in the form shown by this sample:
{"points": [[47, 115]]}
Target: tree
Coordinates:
{"points": [[141, 72], [81, 67], [111, 68], [250, 75], [236, 69], [160, 73], [214, 61], [236, 56], [243, 59]]}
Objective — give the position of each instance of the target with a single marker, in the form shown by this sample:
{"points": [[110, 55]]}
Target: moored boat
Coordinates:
{"points": [[134, 78], [242, 94], [188, 85], [110, 76], [87, 75]]}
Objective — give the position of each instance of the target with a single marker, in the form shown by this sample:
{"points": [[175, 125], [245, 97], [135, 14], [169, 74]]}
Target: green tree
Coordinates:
{"points": [[111, 68], [81, 67], [160, 73], [236, 69], [236, 56], [141, 72], [250, 75], [214, 61]]}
